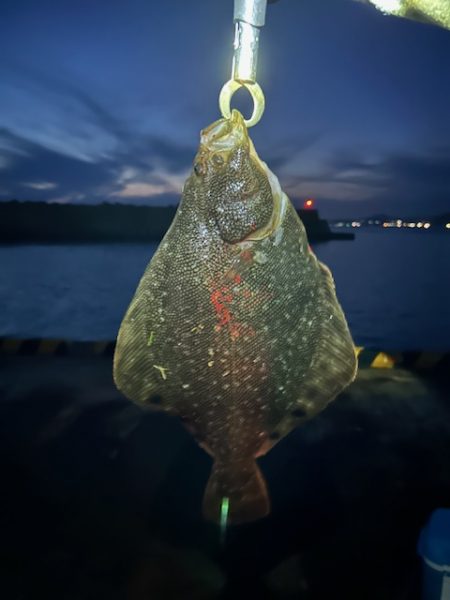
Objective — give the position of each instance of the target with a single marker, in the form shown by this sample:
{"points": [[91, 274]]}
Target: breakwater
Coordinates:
{"points": [[41, 222]]}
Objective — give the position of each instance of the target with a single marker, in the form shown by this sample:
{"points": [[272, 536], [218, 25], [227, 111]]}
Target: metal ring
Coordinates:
{"points": [[226, 93]]}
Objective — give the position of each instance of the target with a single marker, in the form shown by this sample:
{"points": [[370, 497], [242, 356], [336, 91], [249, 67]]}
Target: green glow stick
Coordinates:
{"points": [[224, 517]]}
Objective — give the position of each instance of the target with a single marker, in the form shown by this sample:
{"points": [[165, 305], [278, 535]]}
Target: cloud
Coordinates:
{"points": [[88, 154], [80, 147], [420, 173], [417, 183], [159, 152], [46, 174], [41, 185], [5, 162], [34, 164], [64, 117], [148, 168], [142, 189], [330, 189], [287, 151]]}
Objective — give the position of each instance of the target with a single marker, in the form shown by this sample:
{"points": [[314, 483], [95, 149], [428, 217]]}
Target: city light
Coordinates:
{"points": [[394, 223]]}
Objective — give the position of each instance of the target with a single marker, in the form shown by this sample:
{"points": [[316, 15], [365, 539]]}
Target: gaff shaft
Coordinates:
{"points": [[249, 17]]}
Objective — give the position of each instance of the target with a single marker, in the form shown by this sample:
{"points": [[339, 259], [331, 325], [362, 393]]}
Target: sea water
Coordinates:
{"points": [[394, 287]]}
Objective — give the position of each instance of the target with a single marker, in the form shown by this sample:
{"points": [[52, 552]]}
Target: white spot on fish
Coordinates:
{"points": [[260, 257], [278, 236]]}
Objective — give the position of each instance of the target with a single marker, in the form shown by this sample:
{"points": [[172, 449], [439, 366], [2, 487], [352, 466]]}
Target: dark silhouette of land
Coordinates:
{"points": [[67, 223], [42, 222]]}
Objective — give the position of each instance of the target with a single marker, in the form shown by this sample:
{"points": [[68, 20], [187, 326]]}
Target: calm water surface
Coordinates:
{"points": [[393, 286]]}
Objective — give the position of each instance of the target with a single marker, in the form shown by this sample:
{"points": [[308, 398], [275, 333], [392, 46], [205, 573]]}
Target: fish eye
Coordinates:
{"points": [[218, 160], [199, 168]]}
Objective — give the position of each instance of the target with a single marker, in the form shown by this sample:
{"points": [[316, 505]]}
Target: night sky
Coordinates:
{"points": [[104, 101]]}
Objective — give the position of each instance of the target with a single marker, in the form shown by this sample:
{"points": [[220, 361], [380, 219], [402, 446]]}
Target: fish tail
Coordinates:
{"points": [[243, 485]]}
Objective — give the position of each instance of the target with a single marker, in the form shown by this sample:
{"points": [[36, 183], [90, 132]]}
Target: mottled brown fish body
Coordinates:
{"points": [[235, 325]]}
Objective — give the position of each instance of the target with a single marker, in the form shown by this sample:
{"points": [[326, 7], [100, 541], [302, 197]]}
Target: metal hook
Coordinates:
{"points": [[229, 89]]}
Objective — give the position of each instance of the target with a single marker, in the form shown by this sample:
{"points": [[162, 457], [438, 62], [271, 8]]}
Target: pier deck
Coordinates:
{"points": [[101, 499]]}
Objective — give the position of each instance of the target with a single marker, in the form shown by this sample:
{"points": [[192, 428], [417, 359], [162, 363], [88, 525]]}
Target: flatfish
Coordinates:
{"points": [[235, 326]]}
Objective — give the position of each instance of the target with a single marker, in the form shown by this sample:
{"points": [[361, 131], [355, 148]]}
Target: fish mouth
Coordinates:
{"points": [[225, 135], [221, 138]]}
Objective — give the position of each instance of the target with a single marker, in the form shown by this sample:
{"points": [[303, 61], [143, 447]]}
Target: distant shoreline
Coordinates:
{"points": [[44, 223]]}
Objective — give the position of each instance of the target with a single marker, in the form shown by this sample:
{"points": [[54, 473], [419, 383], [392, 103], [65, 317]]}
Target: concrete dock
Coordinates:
{"points": [[103, 500]]}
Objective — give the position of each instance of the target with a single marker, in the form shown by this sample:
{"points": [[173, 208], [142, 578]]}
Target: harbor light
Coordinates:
{"points": [[447, 226], [308, 204], [426, 225]]}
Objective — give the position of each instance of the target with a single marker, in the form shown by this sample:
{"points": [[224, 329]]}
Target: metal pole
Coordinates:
{"points": [[249, 17]]}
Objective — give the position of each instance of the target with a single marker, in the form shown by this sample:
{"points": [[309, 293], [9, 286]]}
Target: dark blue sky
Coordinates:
{"points": [[103, 101]]}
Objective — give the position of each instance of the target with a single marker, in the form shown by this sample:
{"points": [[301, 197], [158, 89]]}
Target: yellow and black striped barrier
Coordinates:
{"points": [[420, 361], [35, 346]]}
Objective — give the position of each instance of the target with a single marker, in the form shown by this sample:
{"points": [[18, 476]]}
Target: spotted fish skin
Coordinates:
{"points": [[235, 326]]}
